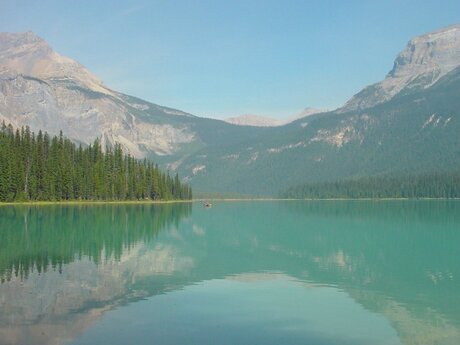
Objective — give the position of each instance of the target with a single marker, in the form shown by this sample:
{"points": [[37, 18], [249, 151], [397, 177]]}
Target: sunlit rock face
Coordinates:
{"points": [[47, 91], [424, 61], [30, 55]]}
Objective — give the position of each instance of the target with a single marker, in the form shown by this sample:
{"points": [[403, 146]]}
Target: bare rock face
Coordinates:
{"points": [[425, 59], [28, 54], [47, 91]]}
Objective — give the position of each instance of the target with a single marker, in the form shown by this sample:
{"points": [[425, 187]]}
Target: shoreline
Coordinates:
{"points": [[92, 202], [158, 202], [329, 199]]}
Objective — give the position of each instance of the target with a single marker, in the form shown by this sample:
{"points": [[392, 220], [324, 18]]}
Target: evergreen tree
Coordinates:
{"points": [[43, 168], [429, 185]]}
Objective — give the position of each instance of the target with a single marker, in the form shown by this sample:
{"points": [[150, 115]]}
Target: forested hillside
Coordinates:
{"points": [[40, 167], [434, 185], [414, 133]]}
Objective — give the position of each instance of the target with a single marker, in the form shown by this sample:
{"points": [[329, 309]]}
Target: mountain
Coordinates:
{"points": [[28, 54], [411, 128], [47, 91], [424, 61], [254, 120], [263, 121], [408, 123]]}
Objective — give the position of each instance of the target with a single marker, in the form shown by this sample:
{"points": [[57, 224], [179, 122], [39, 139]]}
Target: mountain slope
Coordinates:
{"points": [[409, 134], [28, 54], [44, 90], [412, 130], [425, 60]]}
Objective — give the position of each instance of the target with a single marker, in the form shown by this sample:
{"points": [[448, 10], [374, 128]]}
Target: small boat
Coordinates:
{"points": [[207, 204]]}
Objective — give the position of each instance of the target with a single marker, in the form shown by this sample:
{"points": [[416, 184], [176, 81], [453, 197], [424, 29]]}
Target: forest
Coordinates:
{"points": [[38, 167], [428, 185]]}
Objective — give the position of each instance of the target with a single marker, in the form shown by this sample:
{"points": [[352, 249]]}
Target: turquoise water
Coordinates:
{"points": [[294, 272]]}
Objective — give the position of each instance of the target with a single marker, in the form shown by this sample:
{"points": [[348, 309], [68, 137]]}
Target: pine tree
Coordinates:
{"points": [[43, 168]]}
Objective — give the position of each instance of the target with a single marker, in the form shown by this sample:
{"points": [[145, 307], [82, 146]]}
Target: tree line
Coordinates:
{"points": [[41, 167], [428, 185]]}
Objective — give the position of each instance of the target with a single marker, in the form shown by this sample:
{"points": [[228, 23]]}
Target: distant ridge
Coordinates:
{"points": [[263, 121]]}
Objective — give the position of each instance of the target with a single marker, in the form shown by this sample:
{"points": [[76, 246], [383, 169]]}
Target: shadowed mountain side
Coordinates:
{"points": [[410, 134]]}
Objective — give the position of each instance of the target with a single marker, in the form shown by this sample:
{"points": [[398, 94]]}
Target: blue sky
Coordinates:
{"points": [[225, 58]]}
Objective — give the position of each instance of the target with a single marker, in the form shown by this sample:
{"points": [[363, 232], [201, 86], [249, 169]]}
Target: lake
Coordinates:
{"points": [[265, 272]]}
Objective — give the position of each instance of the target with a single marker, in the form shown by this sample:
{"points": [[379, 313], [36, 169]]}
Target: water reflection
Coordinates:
{"points": [[39, 238], [64, 268]]}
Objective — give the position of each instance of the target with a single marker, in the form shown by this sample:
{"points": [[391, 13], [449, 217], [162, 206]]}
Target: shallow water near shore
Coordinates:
{"points": [[247, 272]]}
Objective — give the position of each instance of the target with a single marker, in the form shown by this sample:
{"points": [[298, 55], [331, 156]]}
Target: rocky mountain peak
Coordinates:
{"points": [[18, 39], [28, 54], [438, 50], [423, 61], [47, 91]]}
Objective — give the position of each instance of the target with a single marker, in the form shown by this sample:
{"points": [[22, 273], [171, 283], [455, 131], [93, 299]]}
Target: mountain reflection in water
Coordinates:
{"points": [[70, 272]]}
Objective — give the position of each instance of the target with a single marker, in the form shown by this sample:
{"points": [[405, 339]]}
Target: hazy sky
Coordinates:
{"points": [[230, 57]]}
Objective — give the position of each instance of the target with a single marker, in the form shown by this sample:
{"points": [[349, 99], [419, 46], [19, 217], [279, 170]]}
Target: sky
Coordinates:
{"points": [[222, 58]]}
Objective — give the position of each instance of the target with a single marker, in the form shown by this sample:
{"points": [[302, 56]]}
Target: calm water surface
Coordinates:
{"points": [[325, 272]]}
